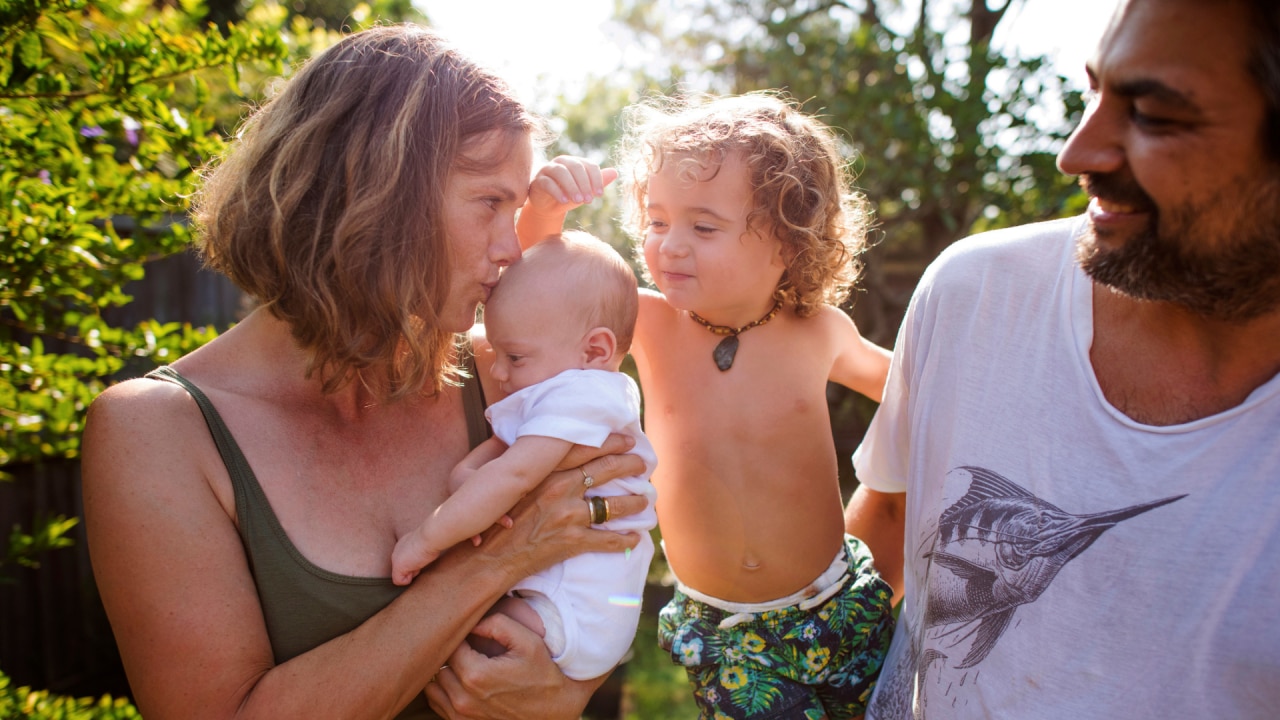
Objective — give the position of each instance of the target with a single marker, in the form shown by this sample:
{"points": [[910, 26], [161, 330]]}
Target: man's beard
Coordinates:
{"points": [[1219, 258]]}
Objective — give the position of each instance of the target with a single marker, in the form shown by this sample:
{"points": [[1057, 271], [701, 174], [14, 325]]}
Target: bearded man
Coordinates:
{"points": [[1080, 427]]}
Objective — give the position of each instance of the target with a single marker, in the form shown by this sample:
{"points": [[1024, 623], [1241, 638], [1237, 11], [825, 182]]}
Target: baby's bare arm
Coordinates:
{"points": [[484, 453], [482, 500]]}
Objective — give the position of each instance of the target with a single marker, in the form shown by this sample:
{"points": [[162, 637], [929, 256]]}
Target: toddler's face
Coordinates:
{"points": [[700, 250], [530, 343]]}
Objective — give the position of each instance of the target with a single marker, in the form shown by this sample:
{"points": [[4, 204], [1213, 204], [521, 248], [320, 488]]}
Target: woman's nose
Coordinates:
{"points": [[505, 249]]}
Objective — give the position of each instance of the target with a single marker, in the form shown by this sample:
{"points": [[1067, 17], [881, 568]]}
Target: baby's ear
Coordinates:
{"points": [[599, 346]]}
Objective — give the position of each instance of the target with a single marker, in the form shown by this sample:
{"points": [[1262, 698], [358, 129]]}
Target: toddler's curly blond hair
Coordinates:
{"points": [[801, 190]]}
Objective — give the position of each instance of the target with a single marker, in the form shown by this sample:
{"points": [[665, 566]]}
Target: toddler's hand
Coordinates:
{"points": [[565, 183]]}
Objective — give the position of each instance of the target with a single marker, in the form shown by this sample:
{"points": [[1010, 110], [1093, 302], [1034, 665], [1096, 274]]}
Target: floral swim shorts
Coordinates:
{"points": [[817, 658]]}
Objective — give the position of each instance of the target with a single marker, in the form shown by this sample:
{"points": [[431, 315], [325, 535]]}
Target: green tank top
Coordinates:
{"points": [[305, 605]]}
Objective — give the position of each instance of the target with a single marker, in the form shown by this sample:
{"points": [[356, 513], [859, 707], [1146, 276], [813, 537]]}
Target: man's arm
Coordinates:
{"points": [[879, 520]]}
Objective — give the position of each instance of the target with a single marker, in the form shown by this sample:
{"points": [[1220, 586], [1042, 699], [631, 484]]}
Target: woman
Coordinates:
{"points": [[242, 506]]}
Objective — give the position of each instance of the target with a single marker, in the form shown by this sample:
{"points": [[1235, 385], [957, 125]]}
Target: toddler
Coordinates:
{"points": [[751, 234]]}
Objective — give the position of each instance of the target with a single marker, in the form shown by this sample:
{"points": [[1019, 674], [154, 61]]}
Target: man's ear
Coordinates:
{"points": [[599, 347]]}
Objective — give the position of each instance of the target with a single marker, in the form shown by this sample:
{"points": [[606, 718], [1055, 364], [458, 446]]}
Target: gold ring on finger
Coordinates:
{"points": [[599, 510]]}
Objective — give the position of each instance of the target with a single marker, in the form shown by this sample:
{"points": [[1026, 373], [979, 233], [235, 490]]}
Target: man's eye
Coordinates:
{"points": [[1150, 122]]}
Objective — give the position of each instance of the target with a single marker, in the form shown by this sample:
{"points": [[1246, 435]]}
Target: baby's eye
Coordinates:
{"points": [[514, 359]]}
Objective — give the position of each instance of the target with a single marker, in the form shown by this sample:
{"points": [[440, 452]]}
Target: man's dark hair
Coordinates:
{"points": [[1265, 66]]}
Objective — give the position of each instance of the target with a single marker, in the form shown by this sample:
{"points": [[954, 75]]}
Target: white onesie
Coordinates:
{"points": [[590, 603]]}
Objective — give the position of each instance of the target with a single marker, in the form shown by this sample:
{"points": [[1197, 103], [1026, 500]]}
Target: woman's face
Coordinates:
{"points": [[480, 223]]}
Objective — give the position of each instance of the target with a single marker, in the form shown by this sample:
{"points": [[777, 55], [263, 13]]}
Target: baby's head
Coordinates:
{"points": [[800, 190], [569, 303]]}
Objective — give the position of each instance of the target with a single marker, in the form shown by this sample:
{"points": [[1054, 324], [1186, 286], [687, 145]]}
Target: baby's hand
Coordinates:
{"points": [[565, 183], [409, 557]]}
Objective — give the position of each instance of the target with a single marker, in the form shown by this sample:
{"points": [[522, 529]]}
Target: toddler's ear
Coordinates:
{"points": [[598, 347]]}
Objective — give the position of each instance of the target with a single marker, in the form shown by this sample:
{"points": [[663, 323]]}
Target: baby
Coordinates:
{"points": [[750, 232], [559, 323]]}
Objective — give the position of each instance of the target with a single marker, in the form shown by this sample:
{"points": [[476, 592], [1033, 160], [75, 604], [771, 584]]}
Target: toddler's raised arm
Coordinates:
{"points": [[560, 186]]}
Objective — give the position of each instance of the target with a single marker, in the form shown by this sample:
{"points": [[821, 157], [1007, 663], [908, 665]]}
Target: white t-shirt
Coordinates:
{"points": [[1062, 560]]}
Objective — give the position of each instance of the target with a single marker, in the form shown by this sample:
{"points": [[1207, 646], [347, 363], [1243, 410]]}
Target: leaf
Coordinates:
{"points": [[29, 50]]}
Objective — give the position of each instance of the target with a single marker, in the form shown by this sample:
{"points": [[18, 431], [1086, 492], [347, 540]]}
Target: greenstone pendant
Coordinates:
{"points": [[725, 351]]}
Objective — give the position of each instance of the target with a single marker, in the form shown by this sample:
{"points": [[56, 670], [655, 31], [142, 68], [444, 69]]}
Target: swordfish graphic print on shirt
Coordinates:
{"points": [[995, 549]]}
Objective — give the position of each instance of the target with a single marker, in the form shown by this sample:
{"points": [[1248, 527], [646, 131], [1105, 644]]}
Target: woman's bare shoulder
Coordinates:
{"points": [[137, 406], [145, 431]]}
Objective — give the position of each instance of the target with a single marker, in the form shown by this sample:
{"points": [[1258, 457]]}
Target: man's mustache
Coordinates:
{"points": [[1116, 188]]}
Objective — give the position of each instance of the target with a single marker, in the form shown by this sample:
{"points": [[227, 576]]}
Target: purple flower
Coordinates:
{"points": [[44, 177], [131, 128], [92, 131]]}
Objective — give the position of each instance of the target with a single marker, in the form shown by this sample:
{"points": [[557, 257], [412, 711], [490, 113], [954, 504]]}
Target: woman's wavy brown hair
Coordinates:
{"points": [[328, 207], [801, 191]]}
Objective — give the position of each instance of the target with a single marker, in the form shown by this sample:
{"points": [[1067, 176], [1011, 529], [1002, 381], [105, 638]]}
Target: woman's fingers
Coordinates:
{"points": [[579, 455], [612, 467], [625, 505]]}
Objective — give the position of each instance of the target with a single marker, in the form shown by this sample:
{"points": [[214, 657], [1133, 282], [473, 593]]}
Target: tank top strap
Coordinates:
{"points": [[243, 481]]}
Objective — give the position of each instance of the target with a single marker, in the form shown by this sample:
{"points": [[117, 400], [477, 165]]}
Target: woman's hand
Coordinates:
{"points": [[553, 522], [522, 683]]}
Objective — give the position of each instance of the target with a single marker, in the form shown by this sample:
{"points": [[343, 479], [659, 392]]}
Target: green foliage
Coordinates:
{"points": [[50, 533], [950, 137], [104, 127], [23, 702]]}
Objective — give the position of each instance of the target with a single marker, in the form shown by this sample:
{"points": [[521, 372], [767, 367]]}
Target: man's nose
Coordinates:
{"points": [[1097, 144]]}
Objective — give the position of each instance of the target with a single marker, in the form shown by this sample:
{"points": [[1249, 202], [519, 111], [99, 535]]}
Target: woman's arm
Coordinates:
{"points": [[477, 687], [524, 682], [183, 605]]}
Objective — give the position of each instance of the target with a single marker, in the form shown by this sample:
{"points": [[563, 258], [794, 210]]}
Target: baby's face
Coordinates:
{"points": [[530, 343]]}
